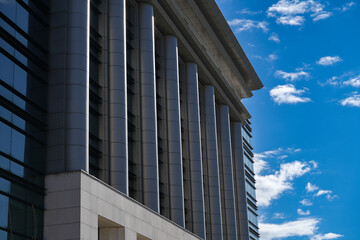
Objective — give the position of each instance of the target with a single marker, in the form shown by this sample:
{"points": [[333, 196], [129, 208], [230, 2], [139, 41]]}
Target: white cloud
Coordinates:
{"points": [[259, 165], [291, 76], [306, 202], [272, 57], [347, 79], [321, 16], [328, 60], [279, 216], [291, 20], [288, 94], [354, 82], [327, 193], [311, 188], [322, 192], [326, 236], [303, 213], [288, 7], [248, 12], [302, 227], [333, 81], [314, 163], [291, 12], [247, 25], [346, 6], [270, 187], [274, 37], [352, 101], [259, 158]]}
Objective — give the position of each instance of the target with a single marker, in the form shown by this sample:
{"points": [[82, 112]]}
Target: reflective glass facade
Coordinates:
{"points": [[23, 69], [250, 181], [63, 66]]}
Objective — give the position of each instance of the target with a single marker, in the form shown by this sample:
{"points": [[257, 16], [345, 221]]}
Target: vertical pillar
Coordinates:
{"points": [[116, 233], [226, 173], [148, 107], [212, 164], [194, 149], [174, 131], [118, 96], [239, 181], [68, 98]]}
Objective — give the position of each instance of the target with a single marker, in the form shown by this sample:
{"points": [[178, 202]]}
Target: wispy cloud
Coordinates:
{"points": [[346, 6], [326, 236], [288, 94], [328, 60], [241, 25], [248, 12], [327, 193], [306, 202], [321, 15], [354, 82], [291, 20], [272, 57], [274, 37], [352, 101], [322, 192], [314, 163], [271, 186], [292, 12], [347, 79], [303, 213], [311, 188], [291, 76], [302, 227], [279, 216]]}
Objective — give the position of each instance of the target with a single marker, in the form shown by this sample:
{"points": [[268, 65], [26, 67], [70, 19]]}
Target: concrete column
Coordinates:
{"points": [[194, 145], [212, 164], [174, 131], [226, 173], [148, 107], [116, 233], [118, 96], [239, 181], [68, 98]]}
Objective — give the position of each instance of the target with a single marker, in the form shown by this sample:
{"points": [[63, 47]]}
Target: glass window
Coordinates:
{"points": [[250, 189], [246, 136], [5, 138], [252, 217], [4, 204], [4, 163], [18, 145], [248, 162], [6, 69], [9, 9]]}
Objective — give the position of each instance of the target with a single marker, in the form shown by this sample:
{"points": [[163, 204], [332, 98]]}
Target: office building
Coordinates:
{"points": [[122, 119]]}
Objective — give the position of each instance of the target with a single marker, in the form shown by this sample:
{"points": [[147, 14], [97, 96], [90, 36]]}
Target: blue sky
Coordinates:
{"points": [[306, 118]]}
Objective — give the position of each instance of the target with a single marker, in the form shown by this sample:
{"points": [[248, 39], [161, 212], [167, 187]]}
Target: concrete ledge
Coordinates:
{"points": [[75, 201]]}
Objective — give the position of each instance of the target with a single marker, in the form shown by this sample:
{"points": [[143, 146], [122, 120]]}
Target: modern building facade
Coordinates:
{"points": [[122, 119]]}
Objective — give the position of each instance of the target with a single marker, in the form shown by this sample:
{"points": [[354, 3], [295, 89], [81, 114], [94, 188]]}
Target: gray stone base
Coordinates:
{"points": [[80, 206]]}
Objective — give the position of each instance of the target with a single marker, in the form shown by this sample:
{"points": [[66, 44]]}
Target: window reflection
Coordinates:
{"points": [[21, 137], [4, 203], [5, 136]]}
